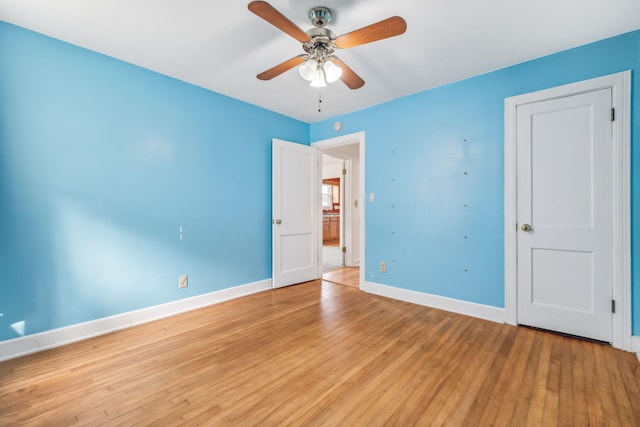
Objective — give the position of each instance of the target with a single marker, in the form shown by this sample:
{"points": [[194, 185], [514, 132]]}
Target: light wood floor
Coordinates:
{"points": [[348, 276], [323, 354]]}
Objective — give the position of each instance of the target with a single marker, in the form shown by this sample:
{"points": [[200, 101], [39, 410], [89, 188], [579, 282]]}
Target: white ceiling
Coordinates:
{"points": [[221, 46]]}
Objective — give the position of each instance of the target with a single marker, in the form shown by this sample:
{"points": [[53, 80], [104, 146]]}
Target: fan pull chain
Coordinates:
{"points": [[319, 102]]}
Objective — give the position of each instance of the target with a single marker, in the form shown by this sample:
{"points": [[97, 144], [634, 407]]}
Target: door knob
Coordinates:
{"points": [[525, 227], [278, 222]]}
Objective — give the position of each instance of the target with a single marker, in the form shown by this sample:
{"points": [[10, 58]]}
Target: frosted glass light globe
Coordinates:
{"points": [[332, 71], [319, 80], [308, 70]]}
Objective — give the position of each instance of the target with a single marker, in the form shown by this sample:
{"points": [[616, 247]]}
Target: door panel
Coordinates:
{"points": [[296, 253], [295, 213], [564, 185], [562, 188], [563, 279]]}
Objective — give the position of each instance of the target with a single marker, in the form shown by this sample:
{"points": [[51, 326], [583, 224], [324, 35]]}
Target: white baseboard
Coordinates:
{"points": [[635, 345], [481, 311], [45, 340]]}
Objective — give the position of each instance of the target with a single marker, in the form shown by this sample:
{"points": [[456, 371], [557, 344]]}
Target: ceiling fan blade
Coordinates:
{"points": [[349, 77], [389, 27], [281, 68], [267, 12]]}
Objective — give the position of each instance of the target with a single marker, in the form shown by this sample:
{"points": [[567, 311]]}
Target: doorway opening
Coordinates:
{"points": [[341, 222], [333, 200]]}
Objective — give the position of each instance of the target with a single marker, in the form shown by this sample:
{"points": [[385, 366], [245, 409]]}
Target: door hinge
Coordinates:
{"points": [[344, 249], [613, 306], [344, 171], [613, 114]]}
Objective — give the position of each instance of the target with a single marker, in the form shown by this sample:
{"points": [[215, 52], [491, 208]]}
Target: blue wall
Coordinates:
{"points": [[101, 162], [435, 162]]}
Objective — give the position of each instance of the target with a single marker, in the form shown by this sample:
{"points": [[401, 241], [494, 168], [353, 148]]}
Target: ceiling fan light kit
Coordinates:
{"points": [[318, 73], [319, 65]]}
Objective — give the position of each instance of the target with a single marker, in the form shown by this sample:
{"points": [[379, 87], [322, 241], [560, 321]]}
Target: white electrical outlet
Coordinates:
{"points": [[183, 281], [383, 267]]}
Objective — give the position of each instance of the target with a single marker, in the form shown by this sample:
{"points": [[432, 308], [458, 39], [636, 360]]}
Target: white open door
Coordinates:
{"points": [[295, 213]]}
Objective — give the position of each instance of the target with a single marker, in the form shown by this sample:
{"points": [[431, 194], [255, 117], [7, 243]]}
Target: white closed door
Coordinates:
{"points": [[295, 213], [564, 210]]}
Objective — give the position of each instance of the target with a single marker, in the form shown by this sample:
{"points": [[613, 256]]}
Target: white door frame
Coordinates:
{"points": [[346, 212], [620, 84], [359, 138]]}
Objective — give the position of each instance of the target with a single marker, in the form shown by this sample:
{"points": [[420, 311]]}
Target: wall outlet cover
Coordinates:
{"points": [[183, 281]]}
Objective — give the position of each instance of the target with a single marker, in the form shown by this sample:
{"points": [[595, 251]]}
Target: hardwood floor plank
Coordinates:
{"points": [[482, 376], [579, 405], [453, 377], [421, 374], [341, 386], [612, 395], [413, 409], [592, 389], [393, 392], [483, 401], [565, 390], [523, 394], [512, 385], [630, 375], [383, 381], [322, 354]]}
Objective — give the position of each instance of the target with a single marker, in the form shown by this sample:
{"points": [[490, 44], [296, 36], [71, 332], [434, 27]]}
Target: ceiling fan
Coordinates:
{"points": [[319, 65]]}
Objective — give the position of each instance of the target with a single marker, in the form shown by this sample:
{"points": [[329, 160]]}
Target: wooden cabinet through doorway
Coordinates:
{"points": [[330, 228]]}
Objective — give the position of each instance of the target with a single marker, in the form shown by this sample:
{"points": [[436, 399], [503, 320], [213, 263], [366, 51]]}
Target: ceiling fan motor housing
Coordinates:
{"points": [[321, 43], [320, 16]]}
